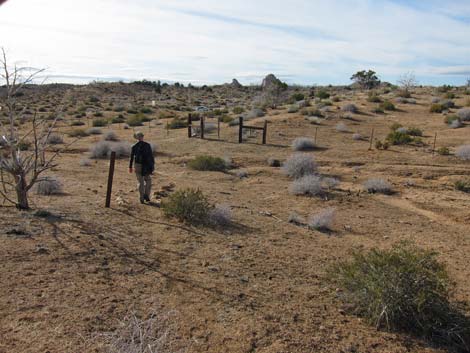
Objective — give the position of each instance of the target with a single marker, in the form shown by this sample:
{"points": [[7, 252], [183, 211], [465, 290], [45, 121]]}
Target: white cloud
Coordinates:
{"points": [[209, 41]]}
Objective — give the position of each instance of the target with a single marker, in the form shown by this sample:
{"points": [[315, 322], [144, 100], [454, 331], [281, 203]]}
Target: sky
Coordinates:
{"points": [[212, 41]]}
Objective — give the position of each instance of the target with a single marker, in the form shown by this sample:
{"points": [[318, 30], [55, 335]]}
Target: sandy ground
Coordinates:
{"points": [[258, 286]]}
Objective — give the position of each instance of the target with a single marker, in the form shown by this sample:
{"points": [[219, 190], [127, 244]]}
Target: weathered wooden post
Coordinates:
{"points": [[110, 179], [371, 139], [316, 132], [218, 127], [190, 122], [202, 127], [240, 130], [167, 128], [434, 144], [265, 131]]}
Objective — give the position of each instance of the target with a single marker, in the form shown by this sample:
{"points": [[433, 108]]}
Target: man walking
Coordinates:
{"points": [[142, 154]]}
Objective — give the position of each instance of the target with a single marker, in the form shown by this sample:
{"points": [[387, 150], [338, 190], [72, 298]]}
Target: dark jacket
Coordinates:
{"points": [[142, 153]]}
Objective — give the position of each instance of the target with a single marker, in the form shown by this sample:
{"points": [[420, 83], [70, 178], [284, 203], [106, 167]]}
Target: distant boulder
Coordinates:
{"points": [[271, 81], [236, 84]]}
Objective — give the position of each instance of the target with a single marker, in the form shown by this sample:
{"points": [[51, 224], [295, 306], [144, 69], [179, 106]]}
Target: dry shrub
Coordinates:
{"points": [[307, 185], [188, 205], [48, 186], [298, 165], [341, 127], [303, 144], [463, 152], [351, 108], [464, 114], [110, 136], [220, 215], [323, 220], [208, 163], [404, 289], [377, 185], [55, 139], [103, 149]]}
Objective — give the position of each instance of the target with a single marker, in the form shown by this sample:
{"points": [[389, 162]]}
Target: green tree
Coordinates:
{"points": [[366, 79]]}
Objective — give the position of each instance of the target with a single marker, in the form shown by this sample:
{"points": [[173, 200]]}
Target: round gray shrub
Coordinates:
{"points": [[254, 113], [464, 114], [307, 185], [377, 185], [341, 127], [103, 149], [110, 136], [455, 124], [351, 108], [463, 152], [220, 215], [447, 103], [55, 139], [303, 144], [357, 137], [94, 131], [322, 220], [435, 100], [85, 162], [298, 165], [48, 186], [330, 183]]}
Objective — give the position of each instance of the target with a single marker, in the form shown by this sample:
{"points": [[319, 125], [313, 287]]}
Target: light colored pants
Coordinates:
{"points": [[145, 182]]}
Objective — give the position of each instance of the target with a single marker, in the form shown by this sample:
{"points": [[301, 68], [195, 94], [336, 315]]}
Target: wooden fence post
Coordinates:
{"points": [[434, 145], [265, 131], [316, 132], [190, 122], [218, 128], [202, 127], [240, 130], [110, 179], [371, 139]]}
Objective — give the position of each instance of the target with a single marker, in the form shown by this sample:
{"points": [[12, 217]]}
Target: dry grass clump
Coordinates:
{"points": [[298, 165], [156, 334], [49, 186], [323, 220], [103, 149], [303, 144], [404, 289], [463, 152], [377, 185]]}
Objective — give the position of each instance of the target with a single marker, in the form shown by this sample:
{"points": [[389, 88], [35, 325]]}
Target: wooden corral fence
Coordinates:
{"points": [[241, 126]]}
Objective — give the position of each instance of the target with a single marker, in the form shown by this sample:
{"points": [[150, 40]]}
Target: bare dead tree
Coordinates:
{"points": [[21, 168], [407, 81]]}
